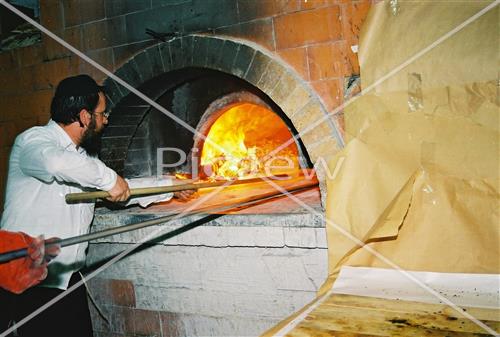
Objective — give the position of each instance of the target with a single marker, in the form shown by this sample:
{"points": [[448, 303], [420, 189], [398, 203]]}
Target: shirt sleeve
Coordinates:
{"points": [[149, 182], [45, 160]]}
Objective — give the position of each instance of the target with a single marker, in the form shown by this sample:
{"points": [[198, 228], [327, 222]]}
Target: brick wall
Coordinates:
{"points": [[313, 36]]}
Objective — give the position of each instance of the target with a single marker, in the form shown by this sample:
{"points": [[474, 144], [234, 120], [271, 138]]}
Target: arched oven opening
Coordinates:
{"points": [[242, 124], [241, 136]]}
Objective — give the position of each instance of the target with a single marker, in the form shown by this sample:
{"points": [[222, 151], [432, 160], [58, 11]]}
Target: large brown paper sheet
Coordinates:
{"points": [[419, 178]]}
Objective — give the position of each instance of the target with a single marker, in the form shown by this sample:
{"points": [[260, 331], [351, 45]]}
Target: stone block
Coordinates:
{"points": [[255, 9], [119, 131], [51, 15], [258, 31], [227, 56], [140, 157], [325, 148], [328, 60], [239, 236], [187, 50], [130, 74], [353, 16], [308, 114], [103, 57], [74, 36], [48, 74], [104, 33], [200, 45], [121, 7], [28, 56], [321, 238], [318, 132], [113, 153], [144, 66], [297, 59], [308, 27], [242, 61], [166, 56], [200, 15], [53, 49], [283, 90], [121, 320], [8, 60], [161, 20], [155, 60], [91, 10], [258, 67], [139, 143], [113, 92], [288, 272], [176, 54], [271, 77], [300, 237], [214, 51], [71, 10], [114, 142], [295, 100], [330, 91], [172, 324], [146, 323]]}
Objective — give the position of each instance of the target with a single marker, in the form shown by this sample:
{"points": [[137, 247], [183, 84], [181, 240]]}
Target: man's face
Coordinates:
{"points": [[91, 139], [100, 119]]}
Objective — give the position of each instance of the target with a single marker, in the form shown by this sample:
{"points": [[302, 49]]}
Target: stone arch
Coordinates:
{"points": [[243, 59]]}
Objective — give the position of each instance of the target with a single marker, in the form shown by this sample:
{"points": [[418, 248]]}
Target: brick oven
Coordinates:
{"points": [[238, 273], [247, 88]]}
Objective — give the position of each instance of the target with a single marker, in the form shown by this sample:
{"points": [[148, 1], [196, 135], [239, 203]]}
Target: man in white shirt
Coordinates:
{"points": [[46, 163]]}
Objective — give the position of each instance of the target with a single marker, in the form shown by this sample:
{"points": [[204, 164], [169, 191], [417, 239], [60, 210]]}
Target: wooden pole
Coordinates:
{"points": [[88, 196], [252, 200]]}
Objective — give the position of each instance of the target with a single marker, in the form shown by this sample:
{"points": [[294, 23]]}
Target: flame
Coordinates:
{"points": [[240, 139]]}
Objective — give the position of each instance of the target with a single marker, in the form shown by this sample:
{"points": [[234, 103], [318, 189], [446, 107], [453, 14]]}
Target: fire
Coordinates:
{"points": [[240, 139]]}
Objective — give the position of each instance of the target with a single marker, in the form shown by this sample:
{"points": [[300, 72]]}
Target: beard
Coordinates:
{"points": [[91, 139]]}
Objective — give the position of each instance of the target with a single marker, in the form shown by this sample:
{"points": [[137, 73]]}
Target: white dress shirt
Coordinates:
{"points": [[44, 166]]}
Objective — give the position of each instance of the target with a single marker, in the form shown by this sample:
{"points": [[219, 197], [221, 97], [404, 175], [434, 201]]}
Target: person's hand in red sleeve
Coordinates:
{"points": [[20, 274]]}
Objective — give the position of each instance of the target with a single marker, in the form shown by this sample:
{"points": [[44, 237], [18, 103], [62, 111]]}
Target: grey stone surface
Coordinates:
{"points": [[144, 66], [257, 68], [271, 77], [120, 7], [155, 60], [187, 51], [227, 56], [130, 74], [246, 282], [214, 50], [166, 56], [243, 60], [176, 54], [200, 45], [114, 91]]}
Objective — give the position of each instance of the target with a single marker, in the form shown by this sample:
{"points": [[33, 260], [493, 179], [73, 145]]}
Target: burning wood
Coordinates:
{"points": [[239, 141]]}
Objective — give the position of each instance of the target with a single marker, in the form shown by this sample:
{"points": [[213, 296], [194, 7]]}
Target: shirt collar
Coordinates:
{"points": [[63, 137]]}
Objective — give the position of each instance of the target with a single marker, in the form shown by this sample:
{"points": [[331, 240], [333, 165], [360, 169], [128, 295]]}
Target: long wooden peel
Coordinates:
{"points": [[250, 201], [88, 196]]}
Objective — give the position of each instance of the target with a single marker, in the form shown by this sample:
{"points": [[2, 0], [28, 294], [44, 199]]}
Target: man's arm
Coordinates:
{"points": [[44, 160]]}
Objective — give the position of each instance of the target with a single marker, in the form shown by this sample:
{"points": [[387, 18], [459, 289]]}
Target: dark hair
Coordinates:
{"points": [[66, 109]]}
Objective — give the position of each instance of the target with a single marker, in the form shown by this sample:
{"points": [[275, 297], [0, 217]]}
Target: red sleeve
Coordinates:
{"points": [[19, 274]]}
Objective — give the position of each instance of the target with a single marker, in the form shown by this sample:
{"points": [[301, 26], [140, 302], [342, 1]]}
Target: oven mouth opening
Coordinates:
{"points": [[247, 140]]}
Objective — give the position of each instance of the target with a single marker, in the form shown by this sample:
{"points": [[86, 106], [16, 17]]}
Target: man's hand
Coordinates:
{"points": [[20, 274], [119, 192], [185, 195]]}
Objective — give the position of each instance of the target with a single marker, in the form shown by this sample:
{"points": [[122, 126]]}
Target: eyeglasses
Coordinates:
{"points": [[104, 114]]}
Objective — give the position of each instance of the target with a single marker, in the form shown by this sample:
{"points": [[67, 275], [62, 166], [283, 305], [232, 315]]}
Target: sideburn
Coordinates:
{"points": [[91, 139]]}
